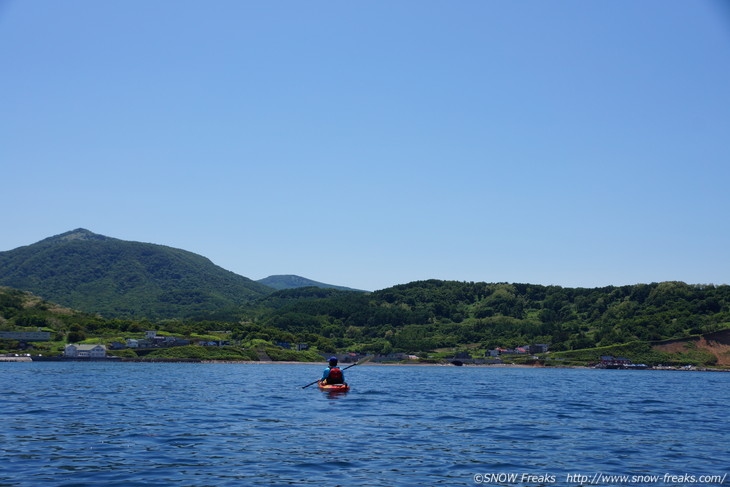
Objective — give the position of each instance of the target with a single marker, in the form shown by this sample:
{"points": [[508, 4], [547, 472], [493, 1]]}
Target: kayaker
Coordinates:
{"points": [[333, 374]]}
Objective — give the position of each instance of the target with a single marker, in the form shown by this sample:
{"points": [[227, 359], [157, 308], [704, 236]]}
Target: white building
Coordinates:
{"points": [[93, 351]]}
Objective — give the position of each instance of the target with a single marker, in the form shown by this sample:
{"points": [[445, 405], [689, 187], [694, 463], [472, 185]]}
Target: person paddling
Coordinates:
{"points": [[332, 374]]}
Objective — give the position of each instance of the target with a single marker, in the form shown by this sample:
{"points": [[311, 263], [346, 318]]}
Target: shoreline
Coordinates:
{"points": [[324, 364], [503, 366]]}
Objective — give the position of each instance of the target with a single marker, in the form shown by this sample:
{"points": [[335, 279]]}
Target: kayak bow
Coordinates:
{"points": [[333, 387]]}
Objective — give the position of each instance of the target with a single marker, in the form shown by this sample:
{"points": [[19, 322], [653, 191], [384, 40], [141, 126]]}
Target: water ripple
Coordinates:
{"points": [[188, 424]]}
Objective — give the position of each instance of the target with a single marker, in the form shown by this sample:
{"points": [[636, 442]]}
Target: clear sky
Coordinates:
{"points": [[368, 144]]}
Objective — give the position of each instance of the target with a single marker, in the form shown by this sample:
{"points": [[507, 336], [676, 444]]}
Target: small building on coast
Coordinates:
{"points": [[81, 351]]}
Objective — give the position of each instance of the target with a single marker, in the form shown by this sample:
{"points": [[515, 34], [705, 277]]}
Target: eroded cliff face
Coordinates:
{"points": [[716, 343]]}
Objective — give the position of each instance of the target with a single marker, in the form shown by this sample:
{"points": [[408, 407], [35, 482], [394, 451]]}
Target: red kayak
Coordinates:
{"points": [[333, 387]]}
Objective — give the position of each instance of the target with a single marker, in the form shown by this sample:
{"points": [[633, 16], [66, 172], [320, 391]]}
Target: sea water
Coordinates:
{"points": [[127, 424]]}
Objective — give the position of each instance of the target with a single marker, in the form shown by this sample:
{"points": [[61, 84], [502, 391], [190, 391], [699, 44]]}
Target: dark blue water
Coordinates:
{"points": [[75, 424]]}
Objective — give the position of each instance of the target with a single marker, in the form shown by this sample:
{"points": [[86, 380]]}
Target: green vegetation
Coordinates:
{"points": [[125, 353], [579, 324], [117, 278], [639, 353], [18, 309], [290, 282], [429, 315], [126, 288], [293, 355]]}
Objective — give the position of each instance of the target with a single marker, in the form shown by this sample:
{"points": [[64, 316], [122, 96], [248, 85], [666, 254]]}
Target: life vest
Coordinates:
{"points": [[335, 376]]}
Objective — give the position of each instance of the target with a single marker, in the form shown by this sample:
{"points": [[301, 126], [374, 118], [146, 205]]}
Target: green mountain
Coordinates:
{"points": [[289, 281], [118, 278]]}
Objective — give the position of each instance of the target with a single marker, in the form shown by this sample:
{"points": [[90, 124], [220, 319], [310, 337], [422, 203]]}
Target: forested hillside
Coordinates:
{"points": [[118, 278], [421, 317], [432, 314], [289, 281], [21, 310]]}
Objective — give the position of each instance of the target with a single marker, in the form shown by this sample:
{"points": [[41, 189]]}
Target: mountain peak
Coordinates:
{"points": [[290, 281], [78, 234]]}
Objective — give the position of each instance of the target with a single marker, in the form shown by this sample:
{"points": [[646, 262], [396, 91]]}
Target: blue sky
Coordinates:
{"points": [[370, 144]]}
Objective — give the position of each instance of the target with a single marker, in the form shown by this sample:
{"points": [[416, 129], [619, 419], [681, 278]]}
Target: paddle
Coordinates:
{"points": [[356, 363]]}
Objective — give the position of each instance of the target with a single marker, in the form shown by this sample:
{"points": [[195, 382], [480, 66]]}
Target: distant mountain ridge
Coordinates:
{"points": [[119, 278], [290, 281]]}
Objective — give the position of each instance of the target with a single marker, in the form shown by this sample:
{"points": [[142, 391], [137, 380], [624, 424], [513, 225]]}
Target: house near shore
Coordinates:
{"points": [[156, 342], [85, 351], [506, 351], [523, 350], [608, 360]]}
